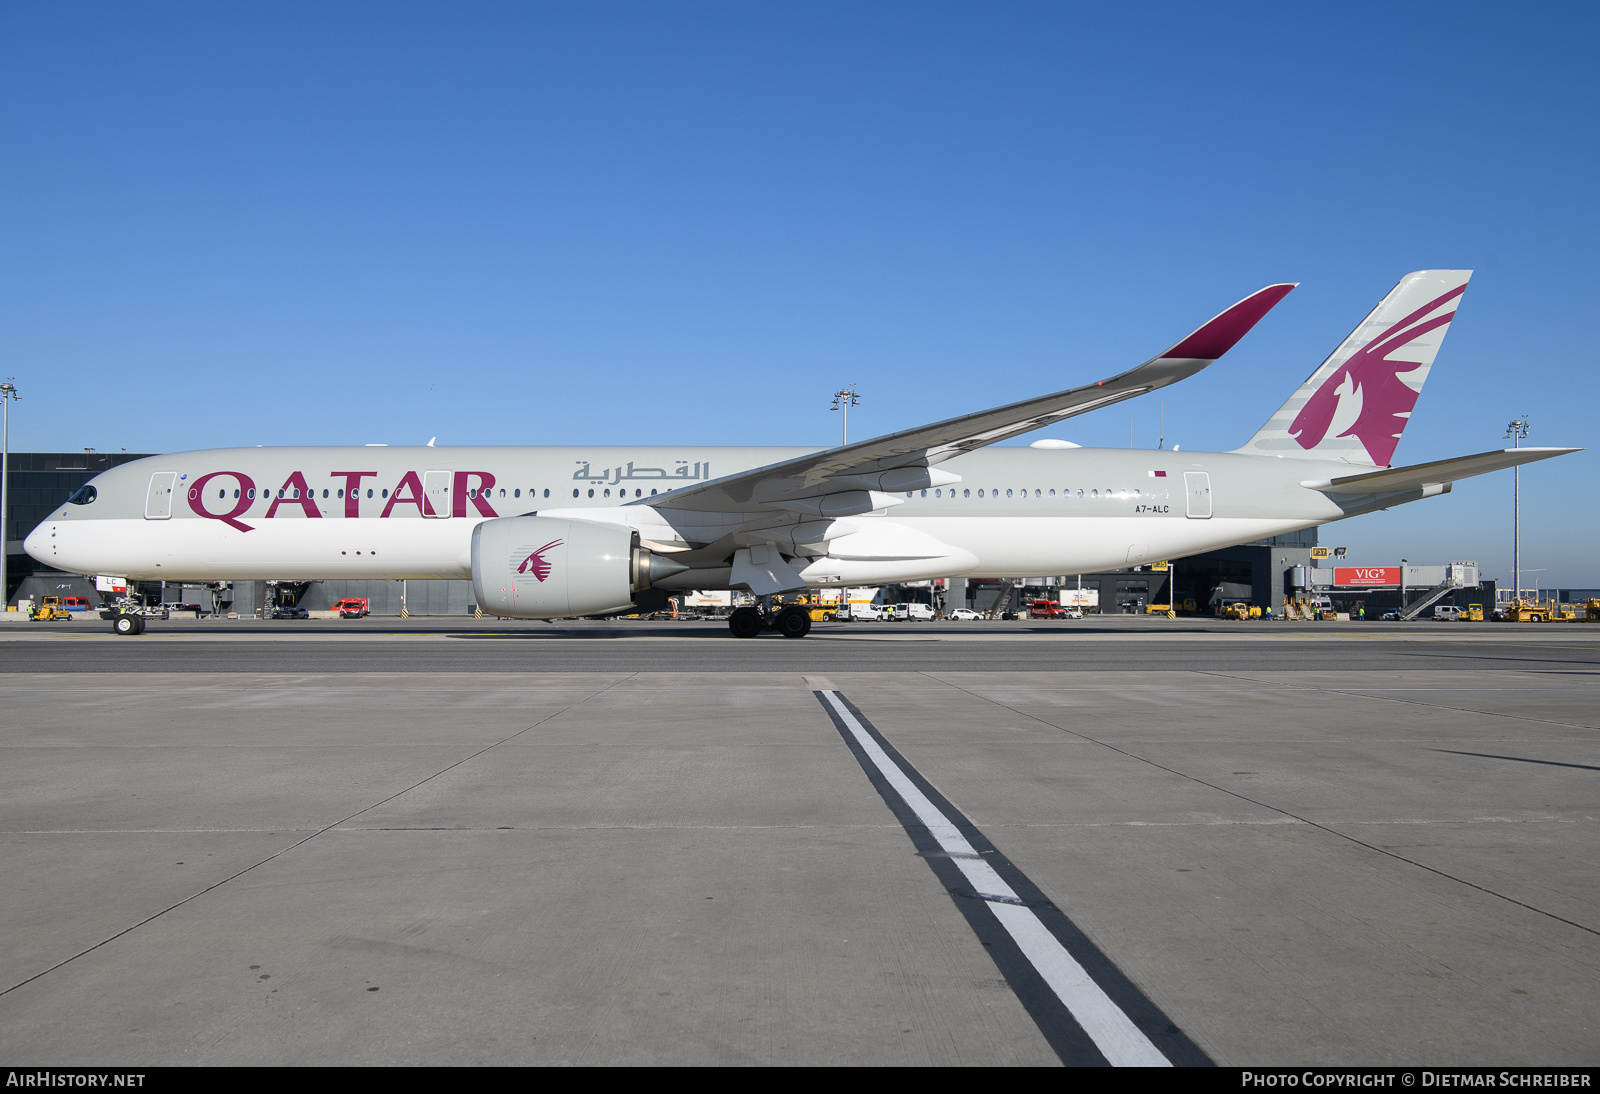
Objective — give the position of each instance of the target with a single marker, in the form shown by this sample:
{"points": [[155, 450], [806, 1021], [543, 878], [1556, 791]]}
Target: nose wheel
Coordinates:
{"points": [[791, 622]]}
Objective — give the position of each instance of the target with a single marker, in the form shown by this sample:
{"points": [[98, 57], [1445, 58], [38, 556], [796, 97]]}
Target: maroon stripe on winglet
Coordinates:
{"points": [[1218, 336]]}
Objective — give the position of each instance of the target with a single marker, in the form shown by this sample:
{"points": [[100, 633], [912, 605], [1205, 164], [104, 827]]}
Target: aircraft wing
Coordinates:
{"points": [[1436, 473], [842, 481]]}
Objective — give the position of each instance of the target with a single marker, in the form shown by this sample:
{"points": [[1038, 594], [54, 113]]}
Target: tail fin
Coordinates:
{"points": [[1356, 404]]}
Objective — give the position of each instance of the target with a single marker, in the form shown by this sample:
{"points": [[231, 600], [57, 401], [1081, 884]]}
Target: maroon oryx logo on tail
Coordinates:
{"points": [[536, 563], [1369, 375]]}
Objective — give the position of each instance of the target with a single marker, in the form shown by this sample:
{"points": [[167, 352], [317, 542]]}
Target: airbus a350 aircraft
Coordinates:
{"points": [[549, 532]]}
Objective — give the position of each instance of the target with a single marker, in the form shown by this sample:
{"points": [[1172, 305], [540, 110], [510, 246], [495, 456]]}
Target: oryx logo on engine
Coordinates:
{"points": [[535, 563]]}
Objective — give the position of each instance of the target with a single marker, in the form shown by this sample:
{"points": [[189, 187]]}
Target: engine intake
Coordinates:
{"points": [[537, 567]]}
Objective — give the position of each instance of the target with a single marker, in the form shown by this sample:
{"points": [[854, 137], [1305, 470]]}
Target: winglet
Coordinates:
{"points": [[1219, 336]]}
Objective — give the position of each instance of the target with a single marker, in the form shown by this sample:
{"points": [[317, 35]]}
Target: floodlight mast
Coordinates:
{"points": [[844, 399], [8, 394], [1517, 431]]}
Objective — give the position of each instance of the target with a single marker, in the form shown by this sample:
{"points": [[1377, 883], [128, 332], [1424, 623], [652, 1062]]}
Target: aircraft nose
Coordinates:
{"points": [[38, 544]]}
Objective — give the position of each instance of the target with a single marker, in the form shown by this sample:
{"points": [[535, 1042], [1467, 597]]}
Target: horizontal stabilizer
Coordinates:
{"points": [[1432, 474]]}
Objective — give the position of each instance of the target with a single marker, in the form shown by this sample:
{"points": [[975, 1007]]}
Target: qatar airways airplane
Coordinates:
{"points": [[547, 532]]}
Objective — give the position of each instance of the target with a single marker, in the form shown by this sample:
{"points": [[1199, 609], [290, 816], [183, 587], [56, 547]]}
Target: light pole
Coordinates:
{"points": [[8, 393], [844, 399], [1518, 432], [1402, 612]]}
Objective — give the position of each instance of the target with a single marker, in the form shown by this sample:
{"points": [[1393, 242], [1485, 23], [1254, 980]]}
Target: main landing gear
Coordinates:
{"points": [[128, 624], [793, 621]]}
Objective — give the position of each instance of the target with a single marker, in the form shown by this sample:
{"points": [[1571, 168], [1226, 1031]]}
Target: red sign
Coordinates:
{"points": [[1366, 575]]}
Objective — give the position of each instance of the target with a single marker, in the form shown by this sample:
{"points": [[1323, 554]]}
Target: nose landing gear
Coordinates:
{"points": [[793, 621]]}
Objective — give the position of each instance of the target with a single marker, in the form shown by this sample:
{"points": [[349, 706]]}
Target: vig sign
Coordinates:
{"points": [[1366, 575]]}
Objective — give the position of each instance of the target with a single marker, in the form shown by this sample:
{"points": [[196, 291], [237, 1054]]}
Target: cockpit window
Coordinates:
{"points": [[83, 495]]}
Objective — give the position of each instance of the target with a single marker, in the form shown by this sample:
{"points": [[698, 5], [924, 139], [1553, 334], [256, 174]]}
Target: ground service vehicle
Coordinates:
{"points": [[618, 529], [75, 603], [353, 607], [1527, 611], [1047, 609], [51, 609]]}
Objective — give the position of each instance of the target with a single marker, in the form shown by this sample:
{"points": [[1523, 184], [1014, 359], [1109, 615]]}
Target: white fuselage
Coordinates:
{"points": [[331, 513]]}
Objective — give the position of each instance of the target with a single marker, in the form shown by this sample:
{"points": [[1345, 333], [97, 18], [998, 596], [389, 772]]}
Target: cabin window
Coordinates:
{"points": [[1052, 491], [220, 494], [938, 493], [516, 493], [236, 492], [606, 493], [574, 493], [295, 492], [503, 491], [591, 491], [966, 493], [995, 494], [385, 491], [1036, 493], [980, 493], [369, 491], [924, 493], [341, 492], [1008, 493], [639, 493], [652, 491], [252, 492], [1135, 491], [1094, 493]]}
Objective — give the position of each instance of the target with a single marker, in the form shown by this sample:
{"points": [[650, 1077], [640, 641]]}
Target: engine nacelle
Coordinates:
{"points": [[537, 567]]}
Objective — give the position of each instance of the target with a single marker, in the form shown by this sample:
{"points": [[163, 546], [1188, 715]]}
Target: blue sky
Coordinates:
{"points": [[663, 223]]}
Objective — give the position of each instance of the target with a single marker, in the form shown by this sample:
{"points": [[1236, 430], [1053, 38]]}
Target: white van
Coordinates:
{"points": [[1448, 612], [919, 612]]}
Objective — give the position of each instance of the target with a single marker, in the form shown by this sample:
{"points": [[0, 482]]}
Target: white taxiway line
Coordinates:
{"points": [[1114, 1034]]}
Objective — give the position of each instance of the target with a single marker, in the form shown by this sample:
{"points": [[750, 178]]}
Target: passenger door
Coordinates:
{"points": [[436, 488], [158, 500], [1197, 488]]}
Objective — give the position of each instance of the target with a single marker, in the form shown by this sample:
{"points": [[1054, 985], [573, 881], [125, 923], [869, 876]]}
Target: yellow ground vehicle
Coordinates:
{"points": [[818, 611], [1528, 611], [51, 609], [1473, 614]]}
